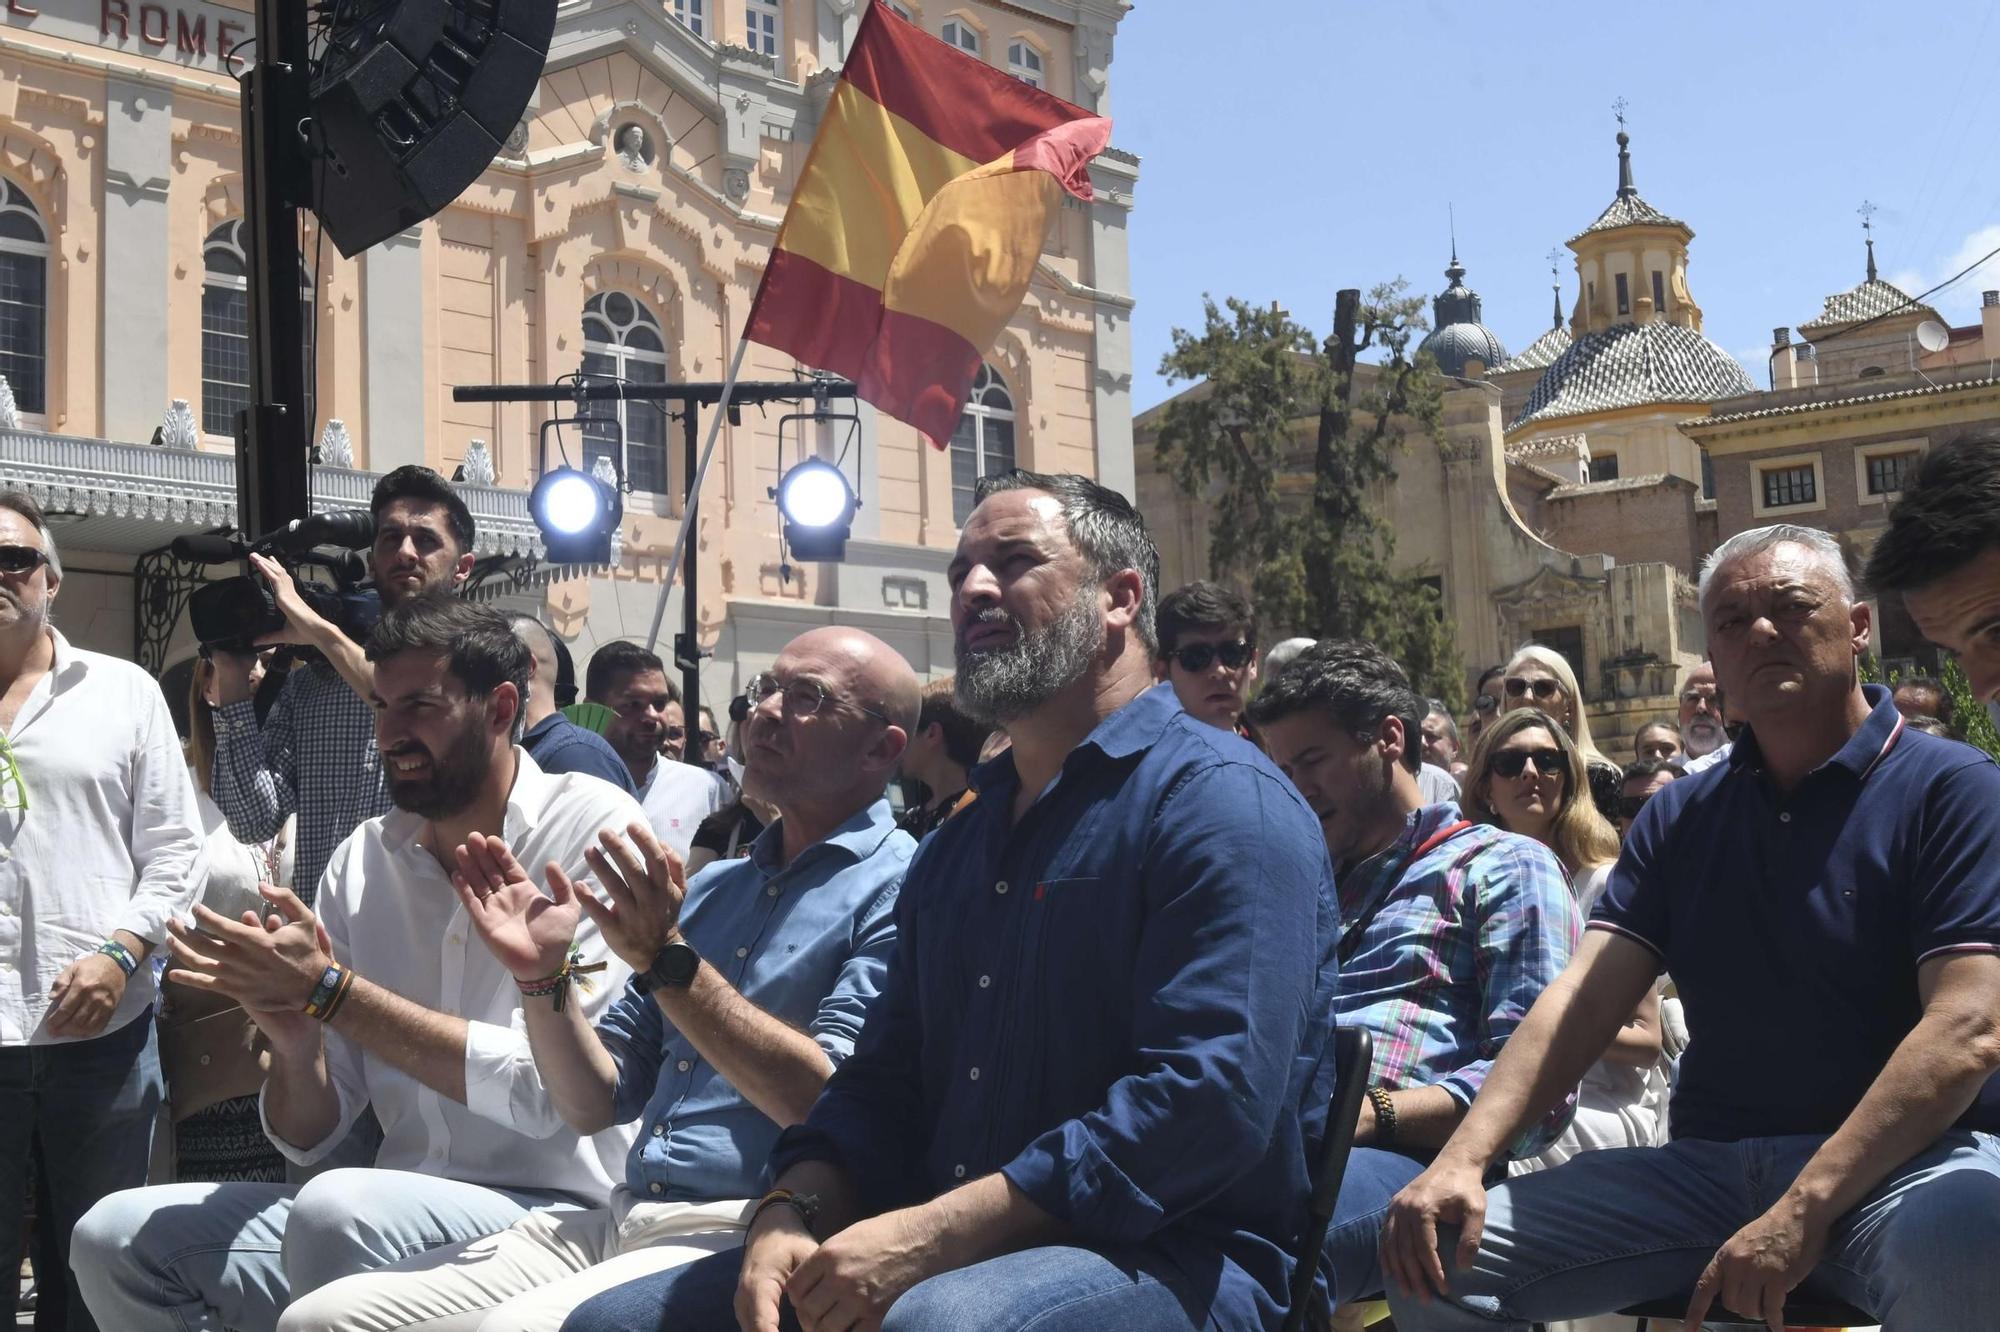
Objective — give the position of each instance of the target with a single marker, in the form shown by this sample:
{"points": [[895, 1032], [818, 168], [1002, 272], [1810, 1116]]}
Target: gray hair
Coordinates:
{"points": [[1284, 654], [1439, 710], [1826, 552], [1105, 529], [24, 504]]}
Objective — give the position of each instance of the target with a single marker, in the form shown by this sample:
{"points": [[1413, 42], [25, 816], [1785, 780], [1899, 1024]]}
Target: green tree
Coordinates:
{"points": [[1968, 714], [1285, 439]]}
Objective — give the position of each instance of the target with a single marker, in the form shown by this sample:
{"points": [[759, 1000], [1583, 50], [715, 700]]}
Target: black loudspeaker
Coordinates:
{"points": [[411, 100]]}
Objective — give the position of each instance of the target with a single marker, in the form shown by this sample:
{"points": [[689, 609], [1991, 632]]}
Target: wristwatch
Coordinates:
{"points": [[673, 968]]}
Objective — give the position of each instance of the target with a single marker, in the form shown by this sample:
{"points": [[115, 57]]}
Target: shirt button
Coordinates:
{"points": [[1784, 818], [684, 1065], [654, 1187], [974, 1075], [1000, 887], [958, 1172], [772, 891], [743, 952], [659, 1130], [985, 981], [455, 938]]}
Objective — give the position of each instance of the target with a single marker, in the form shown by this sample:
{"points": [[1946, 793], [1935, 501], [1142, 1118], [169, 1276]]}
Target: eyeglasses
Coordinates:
{"points": [[1696, 697], [706, 738], [21, 559], [802, 698], [1196, 657], [13, 791], [1543, 687], [1509, 763], [1486, 704], [1629, 806]]}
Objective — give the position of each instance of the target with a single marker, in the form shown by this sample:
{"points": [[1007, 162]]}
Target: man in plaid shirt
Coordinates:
{"points": [[315, 753], [1450, 930]]}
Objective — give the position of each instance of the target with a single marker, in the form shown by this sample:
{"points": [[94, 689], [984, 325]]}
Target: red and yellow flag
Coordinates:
{"points": [[918, 219]]}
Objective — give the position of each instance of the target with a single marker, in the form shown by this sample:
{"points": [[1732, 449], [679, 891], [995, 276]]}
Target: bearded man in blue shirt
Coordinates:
{"points": [[1085, 1097]]}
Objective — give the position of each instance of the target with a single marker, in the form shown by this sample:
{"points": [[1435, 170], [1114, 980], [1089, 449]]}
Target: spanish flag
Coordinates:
{"points": [[918, 219]]}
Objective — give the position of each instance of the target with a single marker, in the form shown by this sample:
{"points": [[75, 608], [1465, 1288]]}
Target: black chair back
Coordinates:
{"points": [[1353, 1056]]}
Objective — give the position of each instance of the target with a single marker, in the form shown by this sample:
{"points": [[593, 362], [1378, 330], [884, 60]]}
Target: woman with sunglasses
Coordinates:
{"points": [[1529, 777], [1540, 678]]}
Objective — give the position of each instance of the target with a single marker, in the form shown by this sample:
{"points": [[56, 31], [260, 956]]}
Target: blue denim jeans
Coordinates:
{"points": [[1353, 1238], [1053, 1289], [85, 1110], [215, 1256], [1611, 1228]]}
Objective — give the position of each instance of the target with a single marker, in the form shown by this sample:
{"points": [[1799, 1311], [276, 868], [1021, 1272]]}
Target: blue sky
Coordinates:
{"points": [[1293, 147]]}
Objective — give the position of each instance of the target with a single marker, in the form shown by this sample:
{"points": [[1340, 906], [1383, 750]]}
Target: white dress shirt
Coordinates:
{"points": [[677, 797], [111, 838], [391, 914]]}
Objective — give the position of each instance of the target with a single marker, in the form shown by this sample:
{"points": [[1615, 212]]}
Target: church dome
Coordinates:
{"points": [[1633, 365], [1457, 338]]}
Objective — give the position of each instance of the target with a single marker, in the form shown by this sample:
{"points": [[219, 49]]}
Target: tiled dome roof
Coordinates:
{"points": [[1867, 301], [1633, 365], [1540, 353], [1457, 337]]}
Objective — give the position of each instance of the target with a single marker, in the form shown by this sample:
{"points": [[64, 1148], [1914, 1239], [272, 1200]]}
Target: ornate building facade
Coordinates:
{"points": [[622, 232], [1575, 488]]}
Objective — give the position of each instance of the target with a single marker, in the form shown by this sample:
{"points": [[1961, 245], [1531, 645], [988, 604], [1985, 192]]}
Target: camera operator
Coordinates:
{"points": [[315, 751]]}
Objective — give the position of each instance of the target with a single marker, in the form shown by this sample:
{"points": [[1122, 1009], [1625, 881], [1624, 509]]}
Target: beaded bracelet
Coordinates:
{"points": [[120, 954], [558, 985]]}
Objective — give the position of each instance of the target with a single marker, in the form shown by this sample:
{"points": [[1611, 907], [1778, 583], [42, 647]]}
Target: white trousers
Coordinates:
{"points": [[527, 1277]]}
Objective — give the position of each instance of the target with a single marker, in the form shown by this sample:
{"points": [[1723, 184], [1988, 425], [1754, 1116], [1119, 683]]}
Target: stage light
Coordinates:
{"points": [[818, 507], [577, 515]]}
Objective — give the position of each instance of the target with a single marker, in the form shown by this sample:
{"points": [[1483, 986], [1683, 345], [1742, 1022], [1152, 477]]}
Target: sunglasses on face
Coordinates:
{"points": [[21, 559], [1543, 689], [1509, 763], [1486, 705], [1196, 657], [1629, 806]]}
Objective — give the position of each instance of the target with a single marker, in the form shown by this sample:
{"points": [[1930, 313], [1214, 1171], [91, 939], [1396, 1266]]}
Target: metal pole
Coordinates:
{"points": [[687, 645], [684, 543], [272, 434]]}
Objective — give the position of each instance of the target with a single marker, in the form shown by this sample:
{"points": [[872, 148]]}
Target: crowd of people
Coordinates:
{"points": [[489, 1008]]}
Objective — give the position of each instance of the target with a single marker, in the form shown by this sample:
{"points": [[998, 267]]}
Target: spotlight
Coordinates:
{"points": [[577, 514], [818, 506]]}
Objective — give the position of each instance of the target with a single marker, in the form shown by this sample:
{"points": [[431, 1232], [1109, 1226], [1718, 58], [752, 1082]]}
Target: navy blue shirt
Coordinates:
{"points": [[1793, 925], [1122, 1003], [557, 744]]}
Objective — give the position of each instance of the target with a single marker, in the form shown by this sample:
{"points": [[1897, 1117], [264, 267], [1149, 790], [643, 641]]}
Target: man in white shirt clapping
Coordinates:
{"points": [[100, 845], [385, 999]]}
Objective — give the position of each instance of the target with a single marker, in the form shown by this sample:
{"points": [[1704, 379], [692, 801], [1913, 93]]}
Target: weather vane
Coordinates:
{"points": [[1554, 256], [1867, 211], [1618, 109]]}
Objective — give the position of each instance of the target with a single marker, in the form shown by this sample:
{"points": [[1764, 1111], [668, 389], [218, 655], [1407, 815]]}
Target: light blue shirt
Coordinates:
{"points": [[808, 943]]}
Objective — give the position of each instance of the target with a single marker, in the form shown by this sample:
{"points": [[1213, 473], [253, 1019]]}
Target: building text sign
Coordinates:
{"points": [[187, 33]]}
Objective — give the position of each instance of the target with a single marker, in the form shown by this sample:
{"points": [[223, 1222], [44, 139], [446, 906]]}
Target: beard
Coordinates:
{"points": [[999, 685], [1704, 737], [453, 780]]}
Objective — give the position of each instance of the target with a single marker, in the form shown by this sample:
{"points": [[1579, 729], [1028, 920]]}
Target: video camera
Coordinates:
{"points": [[233, 613]]}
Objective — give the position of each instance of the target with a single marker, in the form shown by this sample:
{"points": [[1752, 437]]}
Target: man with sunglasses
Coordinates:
{"points": [[100, 845], [1450, 929], [752, 982], [1639, 783], [633, 683], [1208, 649]]}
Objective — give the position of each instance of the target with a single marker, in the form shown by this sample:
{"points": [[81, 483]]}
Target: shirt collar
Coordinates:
{"points": [[543, 727], [1132, 729], [860, 837], [1875, 737]]}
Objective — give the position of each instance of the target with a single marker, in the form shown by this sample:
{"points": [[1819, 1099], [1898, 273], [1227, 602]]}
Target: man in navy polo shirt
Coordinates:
{"points": [[1828, 901]]}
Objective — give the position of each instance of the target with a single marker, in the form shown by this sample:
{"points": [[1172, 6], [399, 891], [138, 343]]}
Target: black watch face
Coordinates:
{"points": [[675, 966]]}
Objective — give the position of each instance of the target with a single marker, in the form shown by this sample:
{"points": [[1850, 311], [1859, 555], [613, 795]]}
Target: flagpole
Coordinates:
{"points": [[693, 505]]}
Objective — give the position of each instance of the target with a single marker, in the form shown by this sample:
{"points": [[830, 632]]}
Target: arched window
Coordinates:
{"points": [[983, 444], [225, 329], [24, 298], [1024, 62], [622, 340], [961, 34]]}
